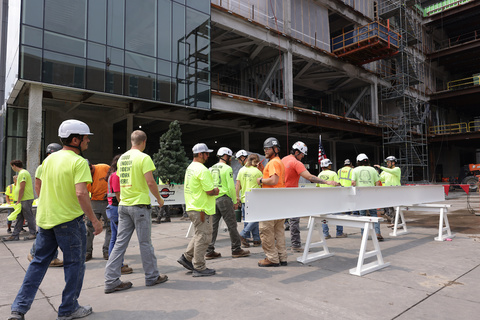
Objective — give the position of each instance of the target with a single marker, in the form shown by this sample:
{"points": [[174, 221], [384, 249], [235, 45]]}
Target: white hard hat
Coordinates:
{"points": [[391, 158], [347, 161], [69, 127], [361, 157], [241, 153], [300, 146], [224, 150], [325, 163], [201, 147]]}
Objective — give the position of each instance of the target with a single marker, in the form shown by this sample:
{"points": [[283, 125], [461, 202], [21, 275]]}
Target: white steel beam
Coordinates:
{"points": [[282, 203]]}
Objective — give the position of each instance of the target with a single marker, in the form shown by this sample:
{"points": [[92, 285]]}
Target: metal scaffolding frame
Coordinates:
{"points": [[406, 131]]}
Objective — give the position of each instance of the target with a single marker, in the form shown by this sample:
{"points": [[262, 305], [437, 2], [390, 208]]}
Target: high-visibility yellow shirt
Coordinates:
{"points": [[198, 180], [327, 175], [345, 176], [248, 180], [58, 202], [24, 176], [131, 170], [365, 176], [391, 177], [10, 192], [222, 175]]}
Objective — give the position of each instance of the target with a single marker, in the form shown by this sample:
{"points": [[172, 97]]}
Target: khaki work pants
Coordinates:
{"points": [[197, 247], [272, 234]]}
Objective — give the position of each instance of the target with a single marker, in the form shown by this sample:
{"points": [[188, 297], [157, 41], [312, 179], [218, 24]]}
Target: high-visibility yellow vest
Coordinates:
{"points": [[345, 176]]}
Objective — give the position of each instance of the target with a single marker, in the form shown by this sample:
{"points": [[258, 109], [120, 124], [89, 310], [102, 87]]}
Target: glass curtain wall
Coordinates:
{"points": [[151, 49], [16, 140]]}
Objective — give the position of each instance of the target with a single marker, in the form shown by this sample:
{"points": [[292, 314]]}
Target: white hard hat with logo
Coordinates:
{"points": [[241, 153], [361, 157], [300, 146], [69, 127], [325, 163], [224, 151], [391, 158]]}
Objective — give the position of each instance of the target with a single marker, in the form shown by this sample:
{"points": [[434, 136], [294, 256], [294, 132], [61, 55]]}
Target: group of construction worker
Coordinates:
{"points": [[210, 194]]}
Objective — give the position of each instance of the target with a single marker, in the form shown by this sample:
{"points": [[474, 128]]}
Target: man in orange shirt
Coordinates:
{"points": [[98, 189], [272, 233], [294, 169]]}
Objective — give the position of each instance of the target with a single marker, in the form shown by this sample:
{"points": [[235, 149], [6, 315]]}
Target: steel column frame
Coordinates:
{"points": [[282, 203]]}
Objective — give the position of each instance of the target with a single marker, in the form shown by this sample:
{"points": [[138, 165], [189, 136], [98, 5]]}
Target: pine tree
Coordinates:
{"points": [[171, 160]]}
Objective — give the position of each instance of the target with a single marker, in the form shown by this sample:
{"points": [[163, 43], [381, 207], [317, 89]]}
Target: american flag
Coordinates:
{"points": [[321, 152]]}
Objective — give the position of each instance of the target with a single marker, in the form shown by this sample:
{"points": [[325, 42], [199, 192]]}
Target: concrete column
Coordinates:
{"points": [[288, 77], [374, 102], [34, 128], [129, 130], [246, 139]]}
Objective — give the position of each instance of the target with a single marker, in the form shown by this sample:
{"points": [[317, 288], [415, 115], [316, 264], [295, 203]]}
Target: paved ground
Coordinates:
{"points": [[426, 279]]}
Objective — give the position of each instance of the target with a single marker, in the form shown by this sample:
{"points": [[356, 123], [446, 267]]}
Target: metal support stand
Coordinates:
{"points": [[350, 221], [444, 231]]}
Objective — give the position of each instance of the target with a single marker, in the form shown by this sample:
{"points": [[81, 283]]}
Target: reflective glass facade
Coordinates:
{"points": [[150, 49]]}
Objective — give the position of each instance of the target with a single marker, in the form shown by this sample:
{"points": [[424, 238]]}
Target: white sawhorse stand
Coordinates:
{"points": [[349, 221], [221, 226], [443, 225]]}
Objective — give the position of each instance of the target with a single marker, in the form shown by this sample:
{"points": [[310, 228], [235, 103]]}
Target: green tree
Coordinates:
{"points": [[171, 160]]}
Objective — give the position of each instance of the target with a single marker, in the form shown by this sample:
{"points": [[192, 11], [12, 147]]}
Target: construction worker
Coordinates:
{"points": [[98, 189], [329, 176], [241, 156], [200, 206], [390, 176], [272, 233], [294, 169], [10, 197], [345, 174], [366, 176], [51, 148], [60, 222], [24, 193], [225, 201]]}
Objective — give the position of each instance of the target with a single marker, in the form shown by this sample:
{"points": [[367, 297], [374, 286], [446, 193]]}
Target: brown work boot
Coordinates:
{"points": [[126, 269], [161, 279], [267, 263], [88, 257], [245, 244], [122, 286], [56, 263], [11, 238], [240, 253], [212, 255], [30, 237], [105, 255], [297, 249], [257, 243]]}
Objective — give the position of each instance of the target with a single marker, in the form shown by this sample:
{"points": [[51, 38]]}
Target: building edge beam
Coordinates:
{"points": [[34, 128]]}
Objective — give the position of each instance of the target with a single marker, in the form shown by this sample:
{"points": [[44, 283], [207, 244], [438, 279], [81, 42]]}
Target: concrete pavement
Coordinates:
{"points": [[426, 279]]}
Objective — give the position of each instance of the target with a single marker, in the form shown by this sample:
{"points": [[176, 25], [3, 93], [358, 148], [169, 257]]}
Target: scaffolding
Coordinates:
{"points": [[405, 129]]}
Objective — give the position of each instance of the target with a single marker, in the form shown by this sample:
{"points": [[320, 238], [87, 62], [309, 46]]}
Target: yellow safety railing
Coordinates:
{"points": [[449, 128], [464, 83], [452, 128]]}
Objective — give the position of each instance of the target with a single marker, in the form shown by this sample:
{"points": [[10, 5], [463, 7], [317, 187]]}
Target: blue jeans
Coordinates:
{"points": [[71, 238], [249, 227], [132, 218], [34, 245], [326, 230], [112, 214], [373, 213]]}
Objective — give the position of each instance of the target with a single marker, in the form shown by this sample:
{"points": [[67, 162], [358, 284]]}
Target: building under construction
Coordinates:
{"points": [[380, 77]]}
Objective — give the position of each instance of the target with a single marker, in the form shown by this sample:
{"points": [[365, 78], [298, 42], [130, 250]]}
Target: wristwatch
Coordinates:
{"points": [[261, 179]]}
